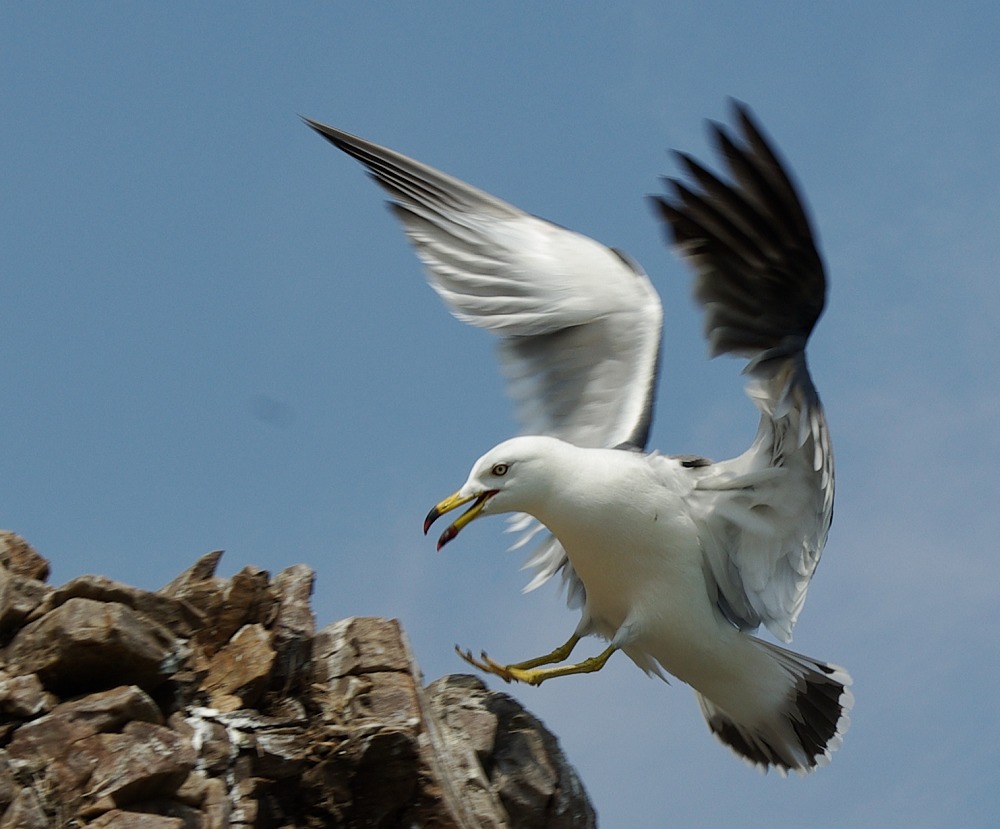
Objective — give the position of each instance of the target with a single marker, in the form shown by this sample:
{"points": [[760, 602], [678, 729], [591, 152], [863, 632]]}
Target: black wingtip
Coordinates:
{"points": [[687, 161], [750, 125], [319, 129], [338, 138], [741, 109], [747, 234], [315, 125], [749, 132]]}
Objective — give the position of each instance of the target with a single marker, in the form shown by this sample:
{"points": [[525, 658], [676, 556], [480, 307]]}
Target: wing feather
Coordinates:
{"points": [[579, 323], [763, 516]]}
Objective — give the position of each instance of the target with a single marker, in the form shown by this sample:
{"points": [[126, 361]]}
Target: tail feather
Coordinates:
{"points": [[803, 729]]}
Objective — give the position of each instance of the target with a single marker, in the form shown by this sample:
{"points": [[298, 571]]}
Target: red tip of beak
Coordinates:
{"points": [[446, 536]]}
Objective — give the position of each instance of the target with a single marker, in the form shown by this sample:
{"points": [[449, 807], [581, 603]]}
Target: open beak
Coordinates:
{"points": [[454, 502]]}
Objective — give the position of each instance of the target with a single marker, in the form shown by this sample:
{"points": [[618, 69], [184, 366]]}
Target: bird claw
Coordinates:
{"points": [[508, 673]]}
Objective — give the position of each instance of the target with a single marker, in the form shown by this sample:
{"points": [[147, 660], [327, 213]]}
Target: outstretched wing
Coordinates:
{"points": [[764, 516], [579, 323]]}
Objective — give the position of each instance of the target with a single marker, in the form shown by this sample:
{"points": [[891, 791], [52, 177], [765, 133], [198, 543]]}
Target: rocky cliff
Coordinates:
{"points": [[215, 703]]}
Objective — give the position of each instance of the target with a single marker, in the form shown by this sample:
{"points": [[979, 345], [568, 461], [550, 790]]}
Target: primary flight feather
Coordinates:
{"points": [[674, 560]]}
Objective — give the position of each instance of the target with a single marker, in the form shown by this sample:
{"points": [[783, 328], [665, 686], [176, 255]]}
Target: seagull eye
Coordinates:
{"points": [[499, 469]]}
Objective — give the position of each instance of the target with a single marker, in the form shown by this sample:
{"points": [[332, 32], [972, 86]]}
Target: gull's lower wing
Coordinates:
{"points": [[759, 276], [580, 324]]}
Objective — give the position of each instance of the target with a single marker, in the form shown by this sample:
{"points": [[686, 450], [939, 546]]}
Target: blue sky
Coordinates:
{"points": [[215, 336]]}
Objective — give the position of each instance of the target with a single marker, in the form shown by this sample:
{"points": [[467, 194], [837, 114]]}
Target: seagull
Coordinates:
{"points": [[675, 560]]}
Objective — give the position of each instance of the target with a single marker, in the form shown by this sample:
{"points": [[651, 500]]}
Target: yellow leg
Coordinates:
{"points": [[558, 655], [529, 672]]}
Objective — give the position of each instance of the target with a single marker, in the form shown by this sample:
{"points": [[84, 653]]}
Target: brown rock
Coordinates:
{"points": [[145, 761], [278, 747], [294, 626], [385, 776], [247, 599], [17, 556], [25, 812], [8, 786], [173, 613], [280, 753], [40, 741], [238, 673], [526, 767], [243, 793], [393, 735], [357, 646], [192, 791], [210, 738], [190, 818], [23, 696], [389, 698], [85, 644], [201, 571], [198, 587], [216, 806], [65, 780], [227, 605], [19, 597], [118, 819], [255, 719]]}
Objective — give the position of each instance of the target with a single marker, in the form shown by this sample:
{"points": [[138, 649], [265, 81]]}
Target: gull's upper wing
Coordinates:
{"points": [[763, 516], [579, 323]]}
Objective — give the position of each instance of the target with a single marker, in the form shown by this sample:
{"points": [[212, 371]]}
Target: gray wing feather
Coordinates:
{"points": [[579, 323], [764, 516]]}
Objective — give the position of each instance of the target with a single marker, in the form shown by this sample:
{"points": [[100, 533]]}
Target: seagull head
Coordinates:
{"points": [[511, 477]]}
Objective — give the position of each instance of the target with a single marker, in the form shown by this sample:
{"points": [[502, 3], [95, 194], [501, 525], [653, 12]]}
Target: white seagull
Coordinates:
{"points": [[674, 560]]}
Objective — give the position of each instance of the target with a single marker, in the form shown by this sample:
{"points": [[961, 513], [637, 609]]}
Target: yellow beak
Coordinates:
{"points": [[453, 502]]}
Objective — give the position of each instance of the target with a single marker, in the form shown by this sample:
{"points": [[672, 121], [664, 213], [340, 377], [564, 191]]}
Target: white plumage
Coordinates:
{"points": [[673, 560]]}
